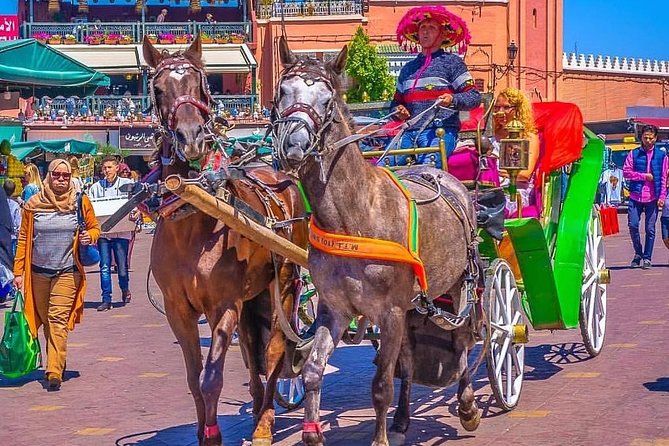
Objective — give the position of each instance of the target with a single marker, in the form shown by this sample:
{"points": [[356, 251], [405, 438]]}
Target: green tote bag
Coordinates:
{"points": [[19, 351]]}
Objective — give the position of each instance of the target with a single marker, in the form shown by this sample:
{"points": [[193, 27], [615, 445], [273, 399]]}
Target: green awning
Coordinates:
{"points": [[11, 132], [29, 62], [23, 149]]}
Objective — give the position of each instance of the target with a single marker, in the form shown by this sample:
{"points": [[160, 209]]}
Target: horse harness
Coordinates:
{"points": [[179, 64], [282, 120]]}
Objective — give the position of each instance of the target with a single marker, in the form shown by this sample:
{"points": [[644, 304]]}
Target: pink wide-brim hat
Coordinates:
{"points": [[456, 32]]}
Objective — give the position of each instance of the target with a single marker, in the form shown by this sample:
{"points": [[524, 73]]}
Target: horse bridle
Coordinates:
{"points": [[167, 129], [282, 120]]}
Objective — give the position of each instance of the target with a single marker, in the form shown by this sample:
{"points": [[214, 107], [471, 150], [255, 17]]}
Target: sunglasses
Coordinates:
{"points": [[64, 175]]}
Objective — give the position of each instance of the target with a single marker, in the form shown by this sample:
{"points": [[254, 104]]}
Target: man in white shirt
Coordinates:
{"points": [[116, 242]]}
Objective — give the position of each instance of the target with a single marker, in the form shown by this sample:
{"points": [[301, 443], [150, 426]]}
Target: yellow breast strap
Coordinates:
{"points": [[375, 249]]}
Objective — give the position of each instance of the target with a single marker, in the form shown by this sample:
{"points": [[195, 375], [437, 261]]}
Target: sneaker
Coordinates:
{"points": [[646, 264], [104, 306], [636, 262], [126, 296]]}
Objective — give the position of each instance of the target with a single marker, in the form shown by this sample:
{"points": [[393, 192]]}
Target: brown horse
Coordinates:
{"points": [[202, 267], [350, 196]]}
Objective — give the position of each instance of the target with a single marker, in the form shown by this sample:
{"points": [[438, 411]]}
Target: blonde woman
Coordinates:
{"points": [[47, 263], [33, 182], [511, 104], [76, 175]]}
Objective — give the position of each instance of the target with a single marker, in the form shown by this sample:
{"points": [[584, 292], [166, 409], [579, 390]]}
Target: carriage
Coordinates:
{"points": [[549, 266]]}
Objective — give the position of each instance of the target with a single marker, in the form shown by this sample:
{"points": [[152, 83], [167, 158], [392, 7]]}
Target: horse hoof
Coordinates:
{"points": [[396, 438], [471, 424], [261, 442], [313, 439]]}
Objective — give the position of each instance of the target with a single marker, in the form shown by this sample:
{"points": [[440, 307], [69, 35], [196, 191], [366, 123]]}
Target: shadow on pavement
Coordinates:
{"points": [[659, 385]]}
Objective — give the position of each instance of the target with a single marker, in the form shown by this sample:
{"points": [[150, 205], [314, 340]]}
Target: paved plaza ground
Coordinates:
{"points": [[125, 383]]}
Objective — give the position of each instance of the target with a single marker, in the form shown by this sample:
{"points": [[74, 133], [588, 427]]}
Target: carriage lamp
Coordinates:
{"points": [[514, 154]]}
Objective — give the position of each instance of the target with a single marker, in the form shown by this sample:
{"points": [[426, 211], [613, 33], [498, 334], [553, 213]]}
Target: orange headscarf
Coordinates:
{"points": [[47, 200]]}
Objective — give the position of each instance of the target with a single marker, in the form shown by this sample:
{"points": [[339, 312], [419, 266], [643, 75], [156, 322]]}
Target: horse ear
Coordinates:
{"points": [[151, 55], [194, 51], [286, 56], [339, 64]]}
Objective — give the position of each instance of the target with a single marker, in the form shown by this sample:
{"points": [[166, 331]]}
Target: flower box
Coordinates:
{"points": [[206, 40], [152, 39], [69, 41], [41, 40], [110, 41], [55, 40], [166, 41], [181, 40], [236, 40]]}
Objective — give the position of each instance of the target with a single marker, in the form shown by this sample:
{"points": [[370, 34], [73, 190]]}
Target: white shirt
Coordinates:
{"points": [[105, 189]]}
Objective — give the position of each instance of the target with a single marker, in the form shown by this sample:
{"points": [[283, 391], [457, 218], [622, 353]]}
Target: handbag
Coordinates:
{"points": [[89, 255], [20, 353]]}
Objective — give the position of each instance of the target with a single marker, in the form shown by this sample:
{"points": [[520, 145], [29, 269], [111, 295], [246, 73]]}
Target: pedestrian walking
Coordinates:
{"points": [[47, 264], [33, 182], [116, 242], [646, 169], [14, 211]]}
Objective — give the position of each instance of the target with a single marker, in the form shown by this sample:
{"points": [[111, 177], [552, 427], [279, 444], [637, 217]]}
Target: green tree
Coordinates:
{"points": [[368, 70]]}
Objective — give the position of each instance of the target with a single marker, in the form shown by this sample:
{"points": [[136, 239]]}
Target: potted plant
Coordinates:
{"points": [[55, 39], [153, 38], [94, 39], [223, 38], [125, 40], [70, 39], [112, 39], [41, 36], [237, 38], [183, 38], [206, 38], [166, 38]]}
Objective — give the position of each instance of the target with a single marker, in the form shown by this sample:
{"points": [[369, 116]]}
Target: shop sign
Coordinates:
{"points": [[9, 27], [136, 139]]}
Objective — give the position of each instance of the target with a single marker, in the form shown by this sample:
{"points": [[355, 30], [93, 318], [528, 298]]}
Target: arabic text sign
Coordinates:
{"points": [[136, 138], [9, 27]]}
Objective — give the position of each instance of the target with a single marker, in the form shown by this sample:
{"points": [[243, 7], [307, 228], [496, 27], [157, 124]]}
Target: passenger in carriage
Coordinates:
{"points": [[434, 74], [511, 104]]}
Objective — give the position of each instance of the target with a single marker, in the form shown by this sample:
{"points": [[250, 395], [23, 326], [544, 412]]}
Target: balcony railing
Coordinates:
{"points": [[135, 31], [310, 8], [112, 107]]}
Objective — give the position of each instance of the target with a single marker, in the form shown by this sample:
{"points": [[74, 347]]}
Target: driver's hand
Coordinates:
{"points": [[446, 99], [402, 113]]}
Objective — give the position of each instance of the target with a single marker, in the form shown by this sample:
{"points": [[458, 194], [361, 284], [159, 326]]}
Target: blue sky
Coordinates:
{"points": [[625, 28]]}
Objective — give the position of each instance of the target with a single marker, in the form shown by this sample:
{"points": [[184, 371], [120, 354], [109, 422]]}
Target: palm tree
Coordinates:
{"points": [[195, 6], [54, 7]]}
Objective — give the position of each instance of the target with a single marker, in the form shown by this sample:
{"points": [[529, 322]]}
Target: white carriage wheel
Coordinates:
{"points": [[505, 358], [592, 320], [289, 392]]}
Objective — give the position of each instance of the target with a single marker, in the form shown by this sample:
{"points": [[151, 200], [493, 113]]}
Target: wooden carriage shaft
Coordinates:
{"points": [[238, 222]]}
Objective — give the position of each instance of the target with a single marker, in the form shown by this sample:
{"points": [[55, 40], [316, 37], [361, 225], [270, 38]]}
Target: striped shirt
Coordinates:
{"points": [[447, 73], [53, 240]]}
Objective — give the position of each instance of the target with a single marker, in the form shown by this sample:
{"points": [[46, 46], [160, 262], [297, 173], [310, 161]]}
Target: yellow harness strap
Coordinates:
{"points": [[375, 249]]}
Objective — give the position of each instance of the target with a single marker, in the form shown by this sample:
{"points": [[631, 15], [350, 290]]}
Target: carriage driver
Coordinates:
{"points": [[437, 72]]}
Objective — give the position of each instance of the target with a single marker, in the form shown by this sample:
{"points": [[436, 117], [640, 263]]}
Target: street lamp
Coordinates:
{"points": [[512, 52]]}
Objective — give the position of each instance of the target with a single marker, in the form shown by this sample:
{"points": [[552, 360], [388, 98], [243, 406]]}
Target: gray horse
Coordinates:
{"points": [[350, 196]]}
